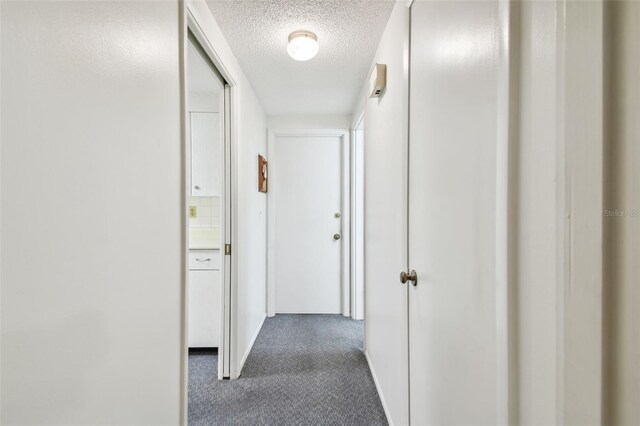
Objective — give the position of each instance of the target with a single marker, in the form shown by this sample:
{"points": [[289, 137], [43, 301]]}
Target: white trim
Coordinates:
{"points": [[232, 233], [196, 29], [271, 226], [506, 210], [253, 340], [378, 388], [345, 284], [579, 171], [345, 231], [352, 226], [224, 368], [184, 222], [356, 177]]}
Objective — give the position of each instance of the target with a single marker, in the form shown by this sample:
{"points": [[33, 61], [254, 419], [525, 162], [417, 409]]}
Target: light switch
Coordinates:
{"points": [[193, 211]]}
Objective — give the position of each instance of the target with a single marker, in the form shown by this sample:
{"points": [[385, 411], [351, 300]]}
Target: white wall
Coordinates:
{"points": [[250, 229], [308, 122], [385, 220], [91, 289], [251, 250]]}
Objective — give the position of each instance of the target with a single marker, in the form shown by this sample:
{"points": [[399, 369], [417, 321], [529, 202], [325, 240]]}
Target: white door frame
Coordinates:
{"points": [[345, 277], [227, 367], [226, 267], [357, 217]]}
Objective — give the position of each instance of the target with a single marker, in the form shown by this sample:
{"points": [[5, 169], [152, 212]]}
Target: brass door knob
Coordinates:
{"points": [[411, 276], [336, 237]]}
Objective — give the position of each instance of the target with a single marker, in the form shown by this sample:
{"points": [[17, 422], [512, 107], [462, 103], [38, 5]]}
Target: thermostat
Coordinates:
{"points": [[377, 80]]}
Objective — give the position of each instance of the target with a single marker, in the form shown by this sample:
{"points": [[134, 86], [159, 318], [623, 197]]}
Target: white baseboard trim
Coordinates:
{"points": [[380, 394], [253, 340]]}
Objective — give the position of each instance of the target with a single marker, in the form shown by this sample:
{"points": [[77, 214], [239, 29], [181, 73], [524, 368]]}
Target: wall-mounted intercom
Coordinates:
{"points": [[377, 80]]}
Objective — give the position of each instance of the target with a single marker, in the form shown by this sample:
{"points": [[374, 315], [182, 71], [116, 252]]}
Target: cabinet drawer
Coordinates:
{"points": [[204, 259]]}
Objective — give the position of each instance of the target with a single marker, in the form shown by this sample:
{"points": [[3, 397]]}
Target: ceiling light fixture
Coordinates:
{"points": [[303, 45]]}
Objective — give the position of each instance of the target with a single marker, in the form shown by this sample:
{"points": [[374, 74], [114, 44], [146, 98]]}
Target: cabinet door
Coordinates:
{"points": [[205, 154], [204, 308]]}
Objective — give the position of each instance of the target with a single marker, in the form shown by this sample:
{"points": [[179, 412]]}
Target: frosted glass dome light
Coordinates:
{"points": [[303, 45]]}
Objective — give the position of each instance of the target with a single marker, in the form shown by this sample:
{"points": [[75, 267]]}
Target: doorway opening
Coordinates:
{"points": [[208, 188]]}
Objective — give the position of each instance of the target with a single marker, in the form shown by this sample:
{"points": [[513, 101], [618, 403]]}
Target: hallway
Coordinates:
{"points": [[202, 201], [303, 369]]}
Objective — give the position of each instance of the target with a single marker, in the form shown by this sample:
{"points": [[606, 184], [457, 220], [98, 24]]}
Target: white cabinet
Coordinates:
{"points": [[204, 259], [204, 299], [206, 135]]}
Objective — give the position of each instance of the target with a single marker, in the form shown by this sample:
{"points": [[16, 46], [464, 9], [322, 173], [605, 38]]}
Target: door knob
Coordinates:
{"points": [[196, 187], [411, 276], [336, 237]]}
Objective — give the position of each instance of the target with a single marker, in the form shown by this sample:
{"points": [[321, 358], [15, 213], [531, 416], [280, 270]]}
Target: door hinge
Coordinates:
{"points": [[227, 249]]}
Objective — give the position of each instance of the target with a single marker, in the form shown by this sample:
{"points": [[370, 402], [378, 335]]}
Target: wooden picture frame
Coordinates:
{"points": [[263, 181]]}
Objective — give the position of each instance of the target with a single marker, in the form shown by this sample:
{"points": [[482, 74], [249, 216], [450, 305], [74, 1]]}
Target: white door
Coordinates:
{"points": [[306, 192], [452, 212]]}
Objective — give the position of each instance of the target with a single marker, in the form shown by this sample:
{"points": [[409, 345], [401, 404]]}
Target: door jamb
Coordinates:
{"points": [[357, 309]]}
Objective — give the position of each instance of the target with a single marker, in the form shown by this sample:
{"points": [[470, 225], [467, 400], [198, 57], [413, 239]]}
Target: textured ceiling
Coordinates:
{"points": [[348, 33]]}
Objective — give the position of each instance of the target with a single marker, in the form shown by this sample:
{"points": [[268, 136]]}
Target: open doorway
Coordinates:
{"points": [[207, 191]]}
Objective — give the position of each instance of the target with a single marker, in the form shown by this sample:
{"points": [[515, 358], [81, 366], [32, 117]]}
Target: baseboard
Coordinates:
{"points": [[253, 340], [380, 394]]}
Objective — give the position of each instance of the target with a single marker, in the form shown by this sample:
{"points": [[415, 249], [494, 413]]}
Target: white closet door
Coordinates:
{"points": [[452, 212]]}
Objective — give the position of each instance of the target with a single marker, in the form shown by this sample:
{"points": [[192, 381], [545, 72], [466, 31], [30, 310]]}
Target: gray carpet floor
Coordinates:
{"points": [[302, 370]]}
